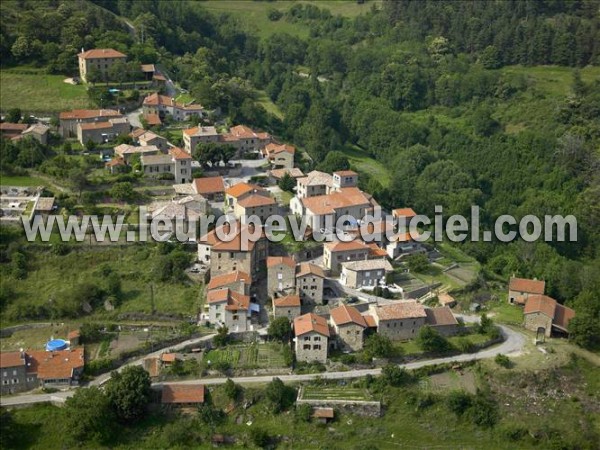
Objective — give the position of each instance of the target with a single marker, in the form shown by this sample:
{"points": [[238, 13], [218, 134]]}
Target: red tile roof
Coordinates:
{"points": [[182, 393], [276, 260], [344, 198], [178, 153], [168, 357], [347, 314], [404, 212], [401, 310], [562, 316], [370, 321], [255, 200], [341, 246], [345, 173], [152, 119], [228, 278], [235, 244], [240, 189], [304, 269], [288, 300], [56, 365], [15, 127], [323, 413], [526, 285], [440, 316], [115, 162], [95, 125], [89, 114], [540, 304], [97, 53], [235, 301], [310, 322], [11, 359], [74, 334], [209, 185]]}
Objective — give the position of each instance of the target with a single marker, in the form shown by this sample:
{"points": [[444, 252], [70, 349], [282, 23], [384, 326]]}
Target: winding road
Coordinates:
{"points": [[513, 344]]}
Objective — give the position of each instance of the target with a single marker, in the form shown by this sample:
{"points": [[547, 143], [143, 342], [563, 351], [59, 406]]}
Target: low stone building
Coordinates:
{"points": [[281, 274], [177, 163], [15, 376], [442, 320], [281, 156], [544, 315], [199, 135], [39, 132], [337, 252], [349, 326], [400, 320], [101, 132], [182, 395], [311, 339], [240, 191], [145, 138], [309, 283], [127, 151], [69, 120], [368, 273], [288, 306], [257, 205], [519, 289]]}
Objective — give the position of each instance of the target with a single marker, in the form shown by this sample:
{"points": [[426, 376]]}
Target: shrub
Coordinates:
{"points": [[393, 375], [459, 402], [303, 413], [274, 14], [429, 340], [502, 360]]}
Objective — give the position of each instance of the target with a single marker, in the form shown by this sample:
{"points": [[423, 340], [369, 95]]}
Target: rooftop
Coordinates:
{"points": [[440, 316], [342, 246], [288, 300], [242, 188], [228, 278], [401, 310], [276, 260], [344, 198], [201, 131], [306, 268], [235, 300], [279, 173], [98, 53], [88, 114], [11, 359], [404, 212], [368, 264], [182, 393], [56, 365], [310, 322], [255, 200], [316, 178], [527, 285], [156, 159], [345, 314], [540, 304]]}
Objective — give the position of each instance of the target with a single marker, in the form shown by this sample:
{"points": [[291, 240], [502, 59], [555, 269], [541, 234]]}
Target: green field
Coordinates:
{"points": [[254, 14], [264, 100], [39, 93], [363, 162], [50, 276], [20, 181]]}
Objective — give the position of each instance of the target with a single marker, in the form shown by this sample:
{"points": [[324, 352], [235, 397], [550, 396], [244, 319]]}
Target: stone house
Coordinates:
{"points": [[349, 326], [281, 156], [281, 274], [311, 339], [235, 254], [244, 139], [163, 105], [147, 138], [211, 188], [258, 205], [10, 130], [403, 244], [237, 281], [228, 308], [403, 216], [15, 375], [344, 179], [127, 151], [182, 395], [99, 60], [276, 175], [313, 184], [543, 314], [337, 252], [288, 306], [176, 162], [309, 283], [69, 120], [39, 132], [442, 320], [400, 320], [240, 191], [365, 273], [101, 132], [199, 135], [519, 289]]}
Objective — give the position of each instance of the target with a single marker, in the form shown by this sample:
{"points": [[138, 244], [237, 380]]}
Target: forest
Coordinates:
{"points": [[428, 89]]}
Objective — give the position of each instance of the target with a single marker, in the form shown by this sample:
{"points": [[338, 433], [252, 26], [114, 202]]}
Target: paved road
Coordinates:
{"points": [[513, 344]]}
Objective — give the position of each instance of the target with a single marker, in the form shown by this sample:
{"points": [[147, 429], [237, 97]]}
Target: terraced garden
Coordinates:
{"points": [[334, 393], [249, 356]]}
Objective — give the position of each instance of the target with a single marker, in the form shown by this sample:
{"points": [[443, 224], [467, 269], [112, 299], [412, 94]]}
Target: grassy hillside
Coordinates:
{"points": [[254, 14], [38, 92]]}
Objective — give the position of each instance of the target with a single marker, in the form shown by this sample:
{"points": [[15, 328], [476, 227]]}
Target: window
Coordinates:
{"points": [[235, 317], [317, 338], [280, 276], [14, 372], [316, 347], [367, 274], [307, 338], [231, 254], [306, 347]]}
